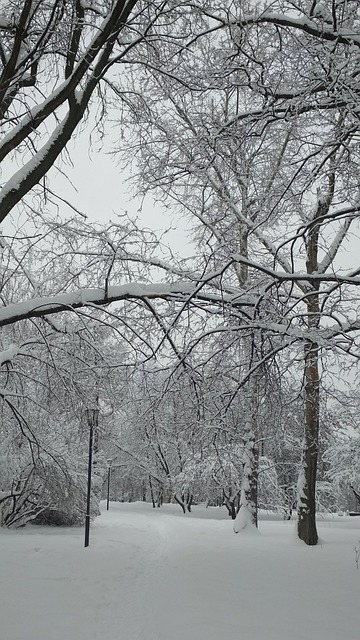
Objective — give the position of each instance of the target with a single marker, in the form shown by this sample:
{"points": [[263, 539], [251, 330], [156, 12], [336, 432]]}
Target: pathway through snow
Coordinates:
{"points": [[153, 574]]}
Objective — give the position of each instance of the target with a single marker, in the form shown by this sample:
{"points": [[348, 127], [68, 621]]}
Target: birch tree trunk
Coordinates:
{"points": [[247, 516]]}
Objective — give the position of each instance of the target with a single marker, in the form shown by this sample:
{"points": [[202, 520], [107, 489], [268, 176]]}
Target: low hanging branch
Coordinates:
{"points": [[39, 307]]}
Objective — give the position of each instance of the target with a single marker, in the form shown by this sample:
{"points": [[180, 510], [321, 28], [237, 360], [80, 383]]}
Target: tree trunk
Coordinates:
{"points": [[306, 524], [247, 516], [180, 502], [160, 498], [307, 478], [231, 501]]}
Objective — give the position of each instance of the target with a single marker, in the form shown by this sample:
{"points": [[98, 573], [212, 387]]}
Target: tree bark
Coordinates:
{"points": [[306, 524], [307, 480], [247, 515]]}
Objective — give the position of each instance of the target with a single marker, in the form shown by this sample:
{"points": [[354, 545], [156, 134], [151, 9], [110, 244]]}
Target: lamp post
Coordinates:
{"points": [[108, 484], [92, 416]]}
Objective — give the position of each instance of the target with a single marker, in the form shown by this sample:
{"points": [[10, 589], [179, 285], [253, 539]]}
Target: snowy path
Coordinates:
{"points": [[156, 575]]}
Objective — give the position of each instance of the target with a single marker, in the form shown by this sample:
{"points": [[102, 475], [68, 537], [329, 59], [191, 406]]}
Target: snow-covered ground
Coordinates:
{"points": [[154, 574]]}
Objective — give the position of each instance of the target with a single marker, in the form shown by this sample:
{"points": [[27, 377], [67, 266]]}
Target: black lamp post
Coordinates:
{"points": [[108, 485], [92, 416]]}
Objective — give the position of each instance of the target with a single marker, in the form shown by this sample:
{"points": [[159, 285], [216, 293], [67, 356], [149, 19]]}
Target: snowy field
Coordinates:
{"points": [[154, 574]]}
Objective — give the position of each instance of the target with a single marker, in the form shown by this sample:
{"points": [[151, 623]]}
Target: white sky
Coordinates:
{"points": [[102, 192]]}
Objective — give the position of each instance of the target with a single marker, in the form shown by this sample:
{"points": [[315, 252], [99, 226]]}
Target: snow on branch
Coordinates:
{"points": [[317, 29], [283, 276], [38, 307]]}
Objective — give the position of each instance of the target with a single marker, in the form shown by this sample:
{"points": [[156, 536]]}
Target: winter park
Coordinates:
{"points": [[180, 320]]}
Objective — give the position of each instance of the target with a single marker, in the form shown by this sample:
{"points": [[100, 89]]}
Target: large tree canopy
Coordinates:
{"points": [[257, 143], [242, 116]]}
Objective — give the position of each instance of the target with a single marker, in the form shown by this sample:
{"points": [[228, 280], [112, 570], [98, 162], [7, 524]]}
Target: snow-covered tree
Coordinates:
{"points": [[257, 143]]}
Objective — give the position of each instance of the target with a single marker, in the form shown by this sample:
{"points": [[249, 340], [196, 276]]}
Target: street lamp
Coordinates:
{"points": [[92, 416], [108, 484]]}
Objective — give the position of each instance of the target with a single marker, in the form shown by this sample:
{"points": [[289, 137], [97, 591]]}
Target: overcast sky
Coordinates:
{"points": [[103, 191]]}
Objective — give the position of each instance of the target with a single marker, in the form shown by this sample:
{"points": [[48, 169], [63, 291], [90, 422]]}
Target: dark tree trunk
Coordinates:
{"points": [[185, 501], [231, 502], [159, 499], [307, 480], [180, 502], [189, 499], [306, 524], [152, 493]]}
